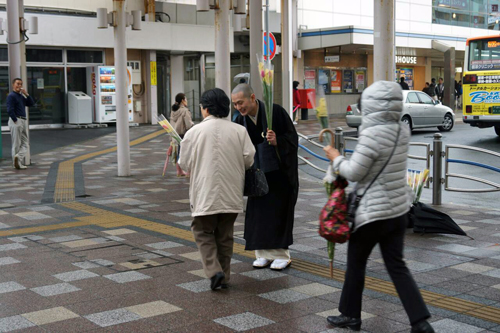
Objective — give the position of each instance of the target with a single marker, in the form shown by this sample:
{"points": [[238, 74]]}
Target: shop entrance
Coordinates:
{"points": [[163, 82]]}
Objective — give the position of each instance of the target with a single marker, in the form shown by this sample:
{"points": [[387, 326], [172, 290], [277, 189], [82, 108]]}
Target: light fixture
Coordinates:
{"points": [[496, 22], [454, 15]]}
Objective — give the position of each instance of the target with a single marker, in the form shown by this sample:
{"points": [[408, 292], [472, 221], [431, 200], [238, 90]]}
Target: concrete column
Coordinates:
{"points": [[122, 130], [24, 76], [222, 51], [176, 76], [449, 78], [428, 70], [384, 40], [256, 43], [13, 36], [152, 102], [286, 60]]}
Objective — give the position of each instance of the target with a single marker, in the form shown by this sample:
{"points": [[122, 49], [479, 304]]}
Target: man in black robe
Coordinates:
{"points": [[269, 218]]}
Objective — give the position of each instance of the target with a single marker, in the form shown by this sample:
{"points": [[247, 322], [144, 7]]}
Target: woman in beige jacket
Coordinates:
{"points": [[216, 153], [181, 120]]}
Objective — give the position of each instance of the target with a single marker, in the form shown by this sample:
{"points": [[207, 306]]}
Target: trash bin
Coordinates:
{"points": [[79, 108], [307, 101]]}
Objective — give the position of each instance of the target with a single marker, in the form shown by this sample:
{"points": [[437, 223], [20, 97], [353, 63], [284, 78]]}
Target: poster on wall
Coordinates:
{"points": [[407, 73], [310, 79], [323, 80], [335, 81], [348, 81], [360, 81]]}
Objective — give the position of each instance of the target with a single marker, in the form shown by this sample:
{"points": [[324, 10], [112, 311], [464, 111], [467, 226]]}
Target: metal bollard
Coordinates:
{"points": [[339, 140], [437, 169]]}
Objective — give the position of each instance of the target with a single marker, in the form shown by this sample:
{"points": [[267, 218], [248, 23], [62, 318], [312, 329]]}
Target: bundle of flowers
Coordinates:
{"points": [[168, 127], [266, 70], [416, 180]]}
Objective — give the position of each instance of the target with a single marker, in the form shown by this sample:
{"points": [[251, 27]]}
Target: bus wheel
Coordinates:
{"points": [[497, 130]]}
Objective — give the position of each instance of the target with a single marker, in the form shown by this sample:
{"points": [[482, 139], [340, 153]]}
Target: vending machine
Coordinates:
{"points": [[101, 86]]}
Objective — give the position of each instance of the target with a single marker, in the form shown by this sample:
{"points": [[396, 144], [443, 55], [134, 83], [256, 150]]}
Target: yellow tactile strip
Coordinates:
{"points": [[106, 219], [65, 182]]}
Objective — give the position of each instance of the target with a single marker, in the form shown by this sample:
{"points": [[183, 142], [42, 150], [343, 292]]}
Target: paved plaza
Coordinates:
{"points": [[84, 250]]}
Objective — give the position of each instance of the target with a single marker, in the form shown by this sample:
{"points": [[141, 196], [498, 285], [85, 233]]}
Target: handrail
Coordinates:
{"points": [[311, 140], [314, 154], [448, 175], [310, 164]]}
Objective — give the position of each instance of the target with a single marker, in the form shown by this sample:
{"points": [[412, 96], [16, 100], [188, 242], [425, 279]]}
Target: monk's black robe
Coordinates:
{"points": [[269, 219]]}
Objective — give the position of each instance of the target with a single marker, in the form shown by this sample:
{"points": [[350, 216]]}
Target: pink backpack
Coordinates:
{"points": [[333, 225]]}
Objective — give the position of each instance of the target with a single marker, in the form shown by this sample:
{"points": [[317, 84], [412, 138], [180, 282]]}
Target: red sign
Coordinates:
{"points": [[272, 45]]}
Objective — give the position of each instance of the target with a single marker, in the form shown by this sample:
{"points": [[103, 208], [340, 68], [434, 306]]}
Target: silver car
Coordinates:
{"points": [[419, 111]]}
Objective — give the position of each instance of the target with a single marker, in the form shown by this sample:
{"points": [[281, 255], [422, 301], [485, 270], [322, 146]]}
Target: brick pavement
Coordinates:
{"points": [[120, 257]]}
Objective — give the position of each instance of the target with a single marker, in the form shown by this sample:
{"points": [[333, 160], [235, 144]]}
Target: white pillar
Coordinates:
{"points": [[256, 43], [24, 75], [13, 35], [122, 130], [222, 51], [176, 76], [152, 101], [286, 58], [384, 41]]}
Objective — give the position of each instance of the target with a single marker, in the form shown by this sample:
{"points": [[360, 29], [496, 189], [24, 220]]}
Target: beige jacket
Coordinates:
{"points": [[216, 153], [181, 120]]}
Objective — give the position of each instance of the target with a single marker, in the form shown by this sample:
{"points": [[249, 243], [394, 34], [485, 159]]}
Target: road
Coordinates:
{"points": [[461, 134]]}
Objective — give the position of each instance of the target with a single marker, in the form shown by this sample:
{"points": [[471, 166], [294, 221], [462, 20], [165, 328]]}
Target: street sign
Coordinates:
{"points": [[272, 45]]}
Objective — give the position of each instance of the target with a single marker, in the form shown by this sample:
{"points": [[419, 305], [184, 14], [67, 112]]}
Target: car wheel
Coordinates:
{"points": [[407, 121], [497, 130], [447, 123]]}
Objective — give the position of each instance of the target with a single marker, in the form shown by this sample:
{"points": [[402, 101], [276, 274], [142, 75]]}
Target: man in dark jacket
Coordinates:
{"points": [[440, 89], [403, 84], [432, 89], [17, 101]]}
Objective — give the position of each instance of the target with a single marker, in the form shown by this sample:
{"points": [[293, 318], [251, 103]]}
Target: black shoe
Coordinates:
{"points": [[345, 322], [216, 280], [422, 327]]}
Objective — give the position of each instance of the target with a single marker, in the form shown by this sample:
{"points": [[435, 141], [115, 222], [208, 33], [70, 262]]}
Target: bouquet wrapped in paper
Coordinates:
{"points": [[416, 180], [266, 70], [169, 128]]}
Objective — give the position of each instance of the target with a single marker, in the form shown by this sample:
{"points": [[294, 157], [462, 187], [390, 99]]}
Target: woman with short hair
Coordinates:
{"points": [[216, 153]]}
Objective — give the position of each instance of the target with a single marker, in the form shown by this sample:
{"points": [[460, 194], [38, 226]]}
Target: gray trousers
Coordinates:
{"points": [[19, 134], [214, 237]]}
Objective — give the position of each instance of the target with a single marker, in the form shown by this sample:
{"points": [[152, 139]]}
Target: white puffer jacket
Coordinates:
{"points": [[389, 196]]}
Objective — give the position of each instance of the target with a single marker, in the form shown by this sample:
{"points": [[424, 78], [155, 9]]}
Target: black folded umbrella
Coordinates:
{"points": [[426, 220]]}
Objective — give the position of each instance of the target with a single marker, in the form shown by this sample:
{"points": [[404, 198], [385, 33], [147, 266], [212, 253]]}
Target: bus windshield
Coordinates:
{"points": [[484, 54]]}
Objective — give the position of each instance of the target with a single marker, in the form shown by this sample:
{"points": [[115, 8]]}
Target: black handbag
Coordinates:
{"points": [[255, 183], [354, 199]]}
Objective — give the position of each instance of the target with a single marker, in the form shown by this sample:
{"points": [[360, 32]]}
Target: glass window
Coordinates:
{"points": [[464, 19], [441, 16], [493, 22], [425, 99], [4, 54], [46, 85], [479, 21], [412, 98], [4, 91], [476, 6], [348, 81], [484, 54], [43, 55], [77, 79], [80, 56]]}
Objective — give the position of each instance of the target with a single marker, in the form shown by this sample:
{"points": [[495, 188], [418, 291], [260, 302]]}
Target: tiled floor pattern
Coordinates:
{"points": [[463, 268]]}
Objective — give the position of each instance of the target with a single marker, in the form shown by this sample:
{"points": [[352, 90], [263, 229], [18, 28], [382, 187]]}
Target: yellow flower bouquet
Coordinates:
{"points": [[266, 75]]}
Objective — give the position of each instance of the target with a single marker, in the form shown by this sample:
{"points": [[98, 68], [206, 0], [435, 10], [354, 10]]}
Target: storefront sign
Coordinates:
{"points": [[310, 79], [332, 58], [335, 81], [153, 73], [406, 60]]}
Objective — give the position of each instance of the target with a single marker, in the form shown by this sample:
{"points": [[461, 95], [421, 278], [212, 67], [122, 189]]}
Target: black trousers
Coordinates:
{"points": [[390, 235]]}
